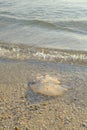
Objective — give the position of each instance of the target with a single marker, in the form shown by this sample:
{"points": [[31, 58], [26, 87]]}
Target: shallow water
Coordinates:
{"points": [[58, 24], [21, 52]]}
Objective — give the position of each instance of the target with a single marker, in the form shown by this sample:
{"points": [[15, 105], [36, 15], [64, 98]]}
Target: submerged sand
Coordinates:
{"points": [[22, 109]]}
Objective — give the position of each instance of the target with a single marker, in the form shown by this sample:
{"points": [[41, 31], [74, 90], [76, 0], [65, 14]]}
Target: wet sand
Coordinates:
{"points": [[22, 109]]}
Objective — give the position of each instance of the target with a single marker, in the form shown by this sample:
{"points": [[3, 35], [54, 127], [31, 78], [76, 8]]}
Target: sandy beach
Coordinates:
{"points": [[22, 109], [43, 65]]}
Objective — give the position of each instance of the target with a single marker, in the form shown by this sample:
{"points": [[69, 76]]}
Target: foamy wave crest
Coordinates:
{"points": [[24, 52]]}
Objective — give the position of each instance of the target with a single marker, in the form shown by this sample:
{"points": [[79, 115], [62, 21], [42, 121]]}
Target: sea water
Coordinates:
{"points": [[60, 24]]}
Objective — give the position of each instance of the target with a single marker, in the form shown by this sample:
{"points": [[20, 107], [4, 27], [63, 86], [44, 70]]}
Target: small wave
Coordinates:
{"points": [[69, 26], [23, 52], [62, 26], [73, 26]]}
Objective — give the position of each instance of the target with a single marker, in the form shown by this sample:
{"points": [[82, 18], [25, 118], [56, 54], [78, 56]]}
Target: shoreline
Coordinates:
{"points": [[22, 109], [26, 52]]}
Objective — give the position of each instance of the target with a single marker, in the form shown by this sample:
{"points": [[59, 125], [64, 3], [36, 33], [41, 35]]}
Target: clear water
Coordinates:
{"points": [[58, 24]]}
